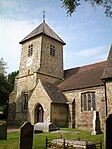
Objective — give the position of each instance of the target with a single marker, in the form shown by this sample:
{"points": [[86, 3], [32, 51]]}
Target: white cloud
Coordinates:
{"points": [[75, 58], [11, 32], [92, 51]]}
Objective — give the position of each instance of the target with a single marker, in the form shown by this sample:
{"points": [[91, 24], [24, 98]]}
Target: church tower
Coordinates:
{"points": [[41, 59], [42, 53]]}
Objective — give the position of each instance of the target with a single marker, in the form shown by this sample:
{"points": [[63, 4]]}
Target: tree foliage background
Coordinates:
{"points": [[71, 5], [6, 85]]}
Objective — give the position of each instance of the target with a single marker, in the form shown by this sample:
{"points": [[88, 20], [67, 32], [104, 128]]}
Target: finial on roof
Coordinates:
{"points": [[44, 15]]}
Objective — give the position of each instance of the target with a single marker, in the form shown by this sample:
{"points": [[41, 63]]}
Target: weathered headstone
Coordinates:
{"points": [[45, 127], [26, 136], [71, 144], [96, 123], [108, 132], [3, 130]]}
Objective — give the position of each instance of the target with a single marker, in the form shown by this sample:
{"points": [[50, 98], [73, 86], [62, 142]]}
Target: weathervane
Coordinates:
{"points": [[44, 15]]}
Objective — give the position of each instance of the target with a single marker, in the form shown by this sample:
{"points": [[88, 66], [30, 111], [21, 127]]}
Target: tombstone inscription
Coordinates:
{"points": [[26, 136]]}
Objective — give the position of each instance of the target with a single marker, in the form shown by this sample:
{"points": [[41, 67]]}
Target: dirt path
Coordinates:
{"points": [[13, 129]]}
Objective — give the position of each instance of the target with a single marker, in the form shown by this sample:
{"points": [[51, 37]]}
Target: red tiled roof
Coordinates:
{"points": [[83, 77], [54, 92]]}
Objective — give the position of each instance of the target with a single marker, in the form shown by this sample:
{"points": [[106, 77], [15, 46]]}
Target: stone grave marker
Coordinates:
{"points": [[3, 130], [108, 132], [96, 123], [71, 144], [26, 136], [44, 127]]}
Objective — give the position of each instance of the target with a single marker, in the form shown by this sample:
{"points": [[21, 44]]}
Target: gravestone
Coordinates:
{"points": [[108, 132], [45, 127], [96, 123], [26, 136], [3, 130], [71, 144]]}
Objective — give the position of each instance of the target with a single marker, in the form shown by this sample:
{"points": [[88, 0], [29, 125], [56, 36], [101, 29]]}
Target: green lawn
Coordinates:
{"points": [[12, 141]]}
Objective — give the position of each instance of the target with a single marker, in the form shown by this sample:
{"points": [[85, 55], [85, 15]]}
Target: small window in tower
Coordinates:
{"points": [[28, 71], [52, 50], [30, 50], [25, 101]]}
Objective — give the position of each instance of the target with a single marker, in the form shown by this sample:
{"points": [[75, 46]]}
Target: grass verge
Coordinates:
{"points": [[12, 141]]}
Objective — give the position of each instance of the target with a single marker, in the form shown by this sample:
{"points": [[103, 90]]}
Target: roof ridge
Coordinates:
{"points": [[86, 65]]}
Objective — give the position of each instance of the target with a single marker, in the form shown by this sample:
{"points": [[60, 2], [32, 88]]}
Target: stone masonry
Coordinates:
{"points": [[83, 119], [46, 93]]}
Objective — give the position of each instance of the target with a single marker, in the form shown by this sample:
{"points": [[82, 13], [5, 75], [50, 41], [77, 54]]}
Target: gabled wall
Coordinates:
{"points": [[39, 96]]}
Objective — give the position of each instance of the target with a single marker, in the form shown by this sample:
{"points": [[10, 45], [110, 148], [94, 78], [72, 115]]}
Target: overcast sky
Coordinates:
{"points": [[88, 33]]}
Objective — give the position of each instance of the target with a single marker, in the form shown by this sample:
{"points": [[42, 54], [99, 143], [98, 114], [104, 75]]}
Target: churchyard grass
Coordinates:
{"points": [[12, 141]]}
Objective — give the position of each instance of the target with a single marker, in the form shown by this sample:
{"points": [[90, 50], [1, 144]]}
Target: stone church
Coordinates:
{"points": [[44, 92]]}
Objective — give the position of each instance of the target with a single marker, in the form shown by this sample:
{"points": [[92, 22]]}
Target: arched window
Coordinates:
{"points": [[30, 50]]}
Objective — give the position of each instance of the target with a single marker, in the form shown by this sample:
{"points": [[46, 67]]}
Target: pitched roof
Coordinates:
{"points": [[107, 73], [83, 77], [43, 28], [54, 92]]}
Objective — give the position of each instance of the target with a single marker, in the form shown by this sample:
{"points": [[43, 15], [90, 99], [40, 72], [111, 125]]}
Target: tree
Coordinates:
{"points": [[4, 89], [4, 96], [6, 86], [2, 66], [3, 83], [71, 5], [11, 78]]}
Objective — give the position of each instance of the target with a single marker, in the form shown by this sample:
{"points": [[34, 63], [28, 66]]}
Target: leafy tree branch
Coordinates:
{"points": [[71, 5]]}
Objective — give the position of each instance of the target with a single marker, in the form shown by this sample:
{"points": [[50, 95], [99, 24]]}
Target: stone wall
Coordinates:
{"points": [[41, 60], [83, 119], [36, 57], [53, 112], [42, 66], [109, 96], [12, 108], [59, 114], [12, 105], [52, 65], [25, 84]]}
